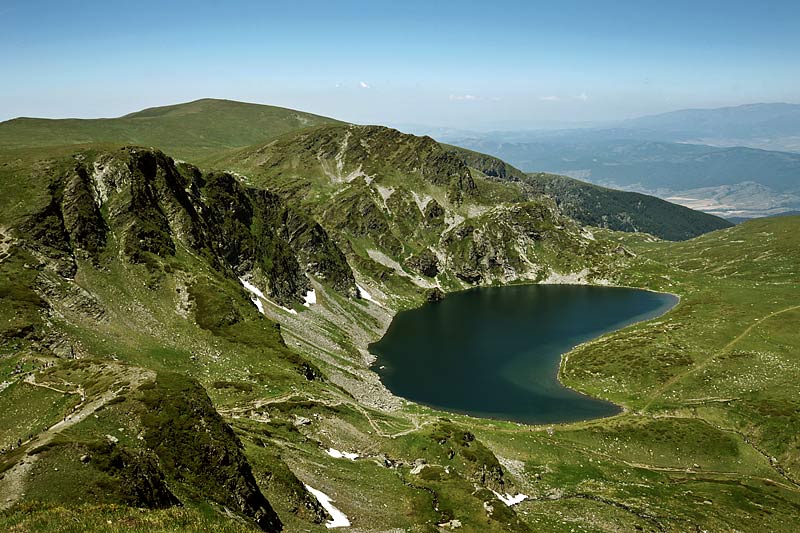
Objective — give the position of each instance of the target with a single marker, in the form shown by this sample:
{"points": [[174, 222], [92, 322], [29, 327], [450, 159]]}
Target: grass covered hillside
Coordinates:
{"points": [[407, 211], [209, 131], [599, 206], [186, 348], [123, 318], [190, 131]]}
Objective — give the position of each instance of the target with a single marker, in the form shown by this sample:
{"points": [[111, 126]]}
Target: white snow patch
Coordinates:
{"points": [[422, 201], [510, 500], [385, 192], [363, 292], [260, 296], [310, 298], [252, 288], [339, 518], [341, 455]]}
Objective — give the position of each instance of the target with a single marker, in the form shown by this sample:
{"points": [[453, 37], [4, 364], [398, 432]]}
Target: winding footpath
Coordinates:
{"points": [[12, 484], [725, 350]]}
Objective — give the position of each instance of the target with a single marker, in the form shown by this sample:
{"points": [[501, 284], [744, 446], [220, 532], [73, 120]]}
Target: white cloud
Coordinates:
{"points": [[551, 98], [364, 85], [462, 97], [582, 97]]}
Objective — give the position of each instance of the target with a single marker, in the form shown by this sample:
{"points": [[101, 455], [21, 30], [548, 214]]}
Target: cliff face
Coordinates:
{"points": [[151, 205], [126, 251], [199, 450], [412, 212]]}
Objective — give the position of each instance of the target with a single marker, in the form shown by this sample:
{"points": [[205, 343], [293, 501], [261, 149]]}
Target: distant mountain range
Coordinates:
{"points": [[186, 347], [212, 132], [671, 156], [768, 126]]}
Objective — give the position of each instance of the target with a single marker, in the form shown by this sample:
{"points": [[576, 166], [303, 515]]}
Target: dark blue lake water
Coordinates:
{"points": [[495, 352]]}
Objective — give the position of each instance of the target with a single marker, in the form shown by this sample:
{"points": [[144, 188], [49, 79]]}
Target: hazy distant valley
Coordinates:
{"points": [[731, 162]]}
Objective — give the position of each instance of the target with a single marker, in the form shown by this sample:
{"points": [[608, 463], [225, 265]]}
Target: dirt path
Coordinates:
{"points": [[726, 349], [12, 485], [5, 243]]}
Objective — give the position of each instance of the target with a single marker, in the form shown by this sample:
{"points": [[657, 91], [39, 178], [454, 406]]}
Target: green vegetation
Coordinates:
{"points": [[601, 207], [192, 131], [137, 371]]}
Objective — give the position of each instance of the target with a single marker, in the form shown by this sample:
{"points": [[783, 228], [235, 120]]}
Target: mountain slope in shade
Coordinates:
{"points": [[599, 206]]}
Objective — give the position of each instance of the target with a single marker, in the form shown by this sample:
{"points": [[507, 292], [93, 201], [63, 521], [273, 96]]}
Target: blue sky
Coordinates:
{"points": [[459, 64]]}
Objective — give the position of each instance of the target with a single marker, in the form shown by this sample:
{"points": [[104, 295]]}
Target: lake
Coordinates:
{"points": [[494, 352]]}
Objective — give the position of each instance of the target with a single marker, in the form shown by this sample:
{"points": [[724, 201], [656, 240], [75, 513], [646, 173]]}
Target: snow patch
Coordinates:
{"points": [[252, 288], [510, 500], [422, 201], [310, 298], [341, 455], [339, 518], [259, 296], [385, 192], [363, 292]]}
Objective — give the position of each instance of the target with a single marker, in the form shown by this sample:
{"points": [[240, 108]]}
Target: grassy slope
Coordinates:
{"points": [[593, 205], [686, 453], [377, 189], [191, 131], [711, 388]]}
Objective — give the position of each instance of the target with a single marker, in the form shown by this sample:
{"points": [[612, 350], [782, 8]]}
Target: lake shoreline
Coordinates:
{"points": [[554, 402]]}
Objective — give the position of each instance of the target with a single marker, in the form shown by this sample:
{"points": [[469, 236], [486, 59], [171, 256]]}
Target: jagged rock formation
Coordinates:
{"points": [[199, 450], [152, 203], [409, 208]]}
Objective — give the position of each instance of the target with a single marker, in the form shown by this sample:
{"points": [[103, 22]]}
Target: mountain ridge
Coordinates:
{"points": [[199, 334], [190, 130]]}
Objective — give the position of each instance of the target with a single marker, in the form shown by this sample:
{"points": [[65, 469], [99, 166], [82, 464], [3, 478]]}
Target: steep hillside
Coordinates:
{"points": [[135, 295], [191, 131], [187, 349], [405, 206], [598, 206], [120, 269]]}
